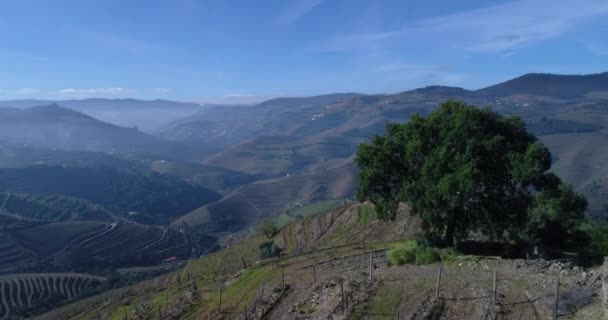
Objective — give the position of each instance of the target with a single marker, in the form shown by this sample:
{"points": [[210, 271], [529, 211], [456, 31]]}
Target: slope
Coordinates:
{"points": [[268, 198], [150, 198]]}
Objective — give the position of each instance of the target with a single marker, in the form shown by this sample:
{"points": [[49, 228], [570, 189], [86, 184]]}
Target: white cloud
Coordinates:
{"points": [[237, 98], [496, 28], [162, 91], [22, 91], [96, 92], [296, 10]]}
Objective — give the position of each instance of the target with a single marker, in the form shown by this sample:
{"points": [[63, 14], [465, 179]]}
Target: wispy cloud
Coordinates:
{"points": [[93, 92], [163, 91], [22, 92], [496, 28], [296, 10], [238, 98]]}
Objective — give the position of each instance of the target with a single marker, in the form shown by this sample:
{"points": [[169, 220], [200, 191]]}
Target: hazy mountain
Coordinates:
{"points": [[55, 127], [146, 115]]}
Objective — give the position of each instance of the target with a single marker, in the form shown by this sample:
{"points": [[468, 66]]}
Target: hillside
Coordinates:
{"points": [[569, 87], [32, 245], [278, 156], [268, 198], [37, 291], [325, 272], [55, 127], [149, 198], [214, 178], [54, 208]]}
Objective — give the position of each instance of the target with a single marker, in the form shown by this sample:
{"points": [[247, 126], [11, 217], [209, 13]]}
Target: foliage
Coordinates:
{"points": [[598, 238], [415, 252], [366, 213], [267, 228], [468, 170], [268, 249]]}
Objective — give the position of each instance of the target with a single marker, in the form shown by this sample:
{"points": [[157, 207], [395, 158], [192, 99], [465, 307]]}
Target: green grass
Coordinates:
{"points": [[318, 207], [366, 213], [414, 252]]}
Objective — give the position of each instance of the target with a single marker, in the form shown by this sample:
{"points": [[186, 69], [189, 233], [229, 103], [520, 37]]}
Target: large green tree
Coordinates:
{"points": [[466, 170]]}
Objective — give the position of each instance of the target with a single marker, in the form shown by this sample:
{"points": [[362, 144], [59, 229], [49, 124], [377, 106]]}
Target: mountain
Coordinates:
{"points": [[219, 127], [59, 128], [552, 85], [147, 116], [307, 135]]}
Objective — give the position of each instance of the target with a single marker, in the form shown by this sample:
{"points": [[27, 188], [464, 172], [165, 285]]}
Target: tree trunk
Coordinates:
{"points": [[450, 231]]}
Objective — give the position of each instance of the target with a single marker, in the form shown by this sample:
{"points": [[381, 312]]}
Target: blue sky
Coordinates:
{"points": [[243, 51]]}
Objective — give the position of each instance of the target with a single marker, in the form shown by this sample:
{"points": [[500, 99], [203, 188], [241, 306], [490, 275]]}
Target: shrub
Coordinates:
{"points": [[268, 249], [414, 252]]}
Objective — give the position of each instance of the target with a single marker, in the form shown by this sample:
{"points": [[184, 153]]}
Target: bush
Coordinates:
{"points": [[597, 248], [268, 249], [415, 252]]}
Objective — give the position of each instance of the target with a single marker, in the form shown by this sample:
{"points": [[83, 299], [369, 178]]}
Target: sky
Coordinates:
{"points": [[246, 51]]}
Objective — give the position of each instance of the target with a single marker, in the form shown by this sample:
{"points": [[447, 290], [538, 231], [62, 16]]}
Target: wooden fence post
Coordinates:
{"points": [[220, 302], [342, 294], [283, 276], [371, 270], [494, 288], [244, 264], [314, 273], [556, 305], [438, 280]]}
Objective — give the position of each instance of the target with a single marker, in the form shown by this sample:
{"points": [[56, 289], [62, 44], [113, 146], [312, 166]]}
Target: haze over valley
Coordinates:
{"points": [[303, 160]]}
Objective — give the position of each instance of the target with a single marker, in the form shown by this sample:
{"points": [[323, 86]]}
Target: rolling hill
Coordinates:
{"points": [[278, 156], [33, 245], [268, 198], [147, 198], [54, 208]]}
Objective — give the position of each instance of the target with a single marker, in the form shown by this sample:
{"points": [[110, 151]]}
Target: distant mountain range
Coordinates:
{"points": [[307, 135], [147, 116], [303, 135], [59, 128]]}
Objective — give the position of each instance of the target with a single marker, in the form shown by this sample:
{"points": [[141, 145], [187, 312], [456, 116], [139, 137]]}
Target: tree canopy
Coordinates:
{"points": [[466, 170]]}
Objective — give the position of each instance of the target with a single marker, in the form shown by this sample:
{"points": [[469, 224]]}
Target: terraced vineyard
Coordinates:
{"points": [[76, 245], [54, 208], [270, 198], [22, 292]]}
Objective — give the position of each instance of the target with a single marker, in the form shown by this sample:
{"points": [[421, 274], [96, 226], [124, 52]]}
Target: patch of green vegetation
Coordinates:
{"points": [[316, 208], [268, 249], [366, 213], [597, 231], [283, 220], [416, 252]]}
